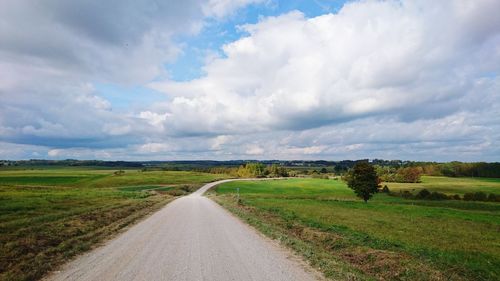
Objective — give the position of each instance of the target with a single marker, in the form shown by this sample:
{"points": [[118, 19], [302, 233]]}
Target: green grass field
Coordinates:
{"points": [[48, 215], [389, 238], [450, 186]]}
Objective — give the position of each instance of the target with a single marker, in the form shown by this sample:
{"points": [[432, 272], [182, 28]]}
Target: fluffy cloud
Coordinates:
{"points": [[51, 54], [373, 58]]}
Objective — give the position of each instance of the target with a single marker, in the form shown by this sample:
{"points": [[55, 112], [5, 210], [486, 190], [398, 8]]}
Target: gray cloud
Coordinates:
{"points": [[52, 51]]}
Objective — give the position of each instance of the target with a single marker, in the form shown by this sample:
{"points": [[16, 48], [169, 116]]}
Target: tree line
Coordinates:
{"points": [[406, 174], [252, 170]]}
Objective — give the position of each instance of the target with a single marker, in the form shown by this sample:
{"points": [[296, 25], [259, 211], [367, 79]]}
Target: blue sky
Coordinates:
{"points": [[216, 33], [188, 65], [250, 79]]}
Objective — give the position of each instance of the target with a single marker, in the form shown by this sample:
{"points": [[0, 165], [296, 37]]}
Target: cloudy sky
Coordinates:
{"points": [[250, 79]]}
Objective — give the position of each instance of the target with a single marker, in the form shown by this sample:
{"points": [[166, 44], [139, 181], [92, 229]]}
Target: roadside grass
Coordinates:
{"points": [[144, 188], [48, 216], [389, 238]]}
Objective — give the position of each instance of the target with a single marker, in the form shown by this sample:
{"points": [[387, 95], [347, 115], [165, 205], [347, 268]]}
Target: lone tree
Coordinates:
{"points": [[363, 180]]}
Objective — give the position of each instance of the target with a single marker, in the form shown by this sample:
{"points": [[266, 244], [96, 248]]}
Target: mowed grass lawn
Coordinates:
{"points": [[49, 215], [388, 238]]}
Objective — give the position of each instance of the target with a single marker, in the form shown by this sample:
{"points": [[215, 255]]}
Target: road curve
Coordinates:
{"points": [[192, 238]]}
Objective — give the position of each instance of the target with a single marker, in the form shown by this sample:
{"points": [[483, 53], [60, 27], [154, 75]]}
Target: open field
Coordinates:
{"points": [[90, 177], [388, 238], [449, 185], [48, 215]]}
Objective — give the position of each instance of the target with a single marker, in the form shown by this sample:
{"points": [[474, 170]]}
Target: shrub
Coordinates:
{"points": [[438, 196], [176, 192], [480, 196], [187, 188], [423, 194], [469, 196], [493, 198], [427, 195], [119, 173], [385, 189], [406, 194], [456, 197]]}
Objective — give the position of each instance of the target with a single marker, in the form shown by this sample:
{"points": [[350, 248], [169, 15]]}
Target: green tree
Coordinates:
{"points": [[363, 179], [275, 170], [409, 174], [250, 170]]}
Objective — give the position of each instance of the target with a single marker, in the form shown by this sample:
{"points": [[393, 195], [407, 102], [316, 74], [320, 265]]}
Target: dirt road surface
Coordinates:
{"points": [[192, 238]]}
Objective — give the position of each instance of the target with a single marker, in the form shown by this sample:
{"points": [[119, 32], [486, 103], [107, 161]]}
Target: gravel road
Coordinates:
{"points": [[192, 238]]}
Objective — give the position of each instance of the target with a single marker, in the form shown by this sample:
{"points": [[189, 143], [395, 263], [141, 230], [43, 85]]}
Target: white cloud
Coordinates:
{"points": [[54, 152], [254, 149], [51, 54], [373, 58], [306, 150], [154, 148], [387, 79], [219, 142]]}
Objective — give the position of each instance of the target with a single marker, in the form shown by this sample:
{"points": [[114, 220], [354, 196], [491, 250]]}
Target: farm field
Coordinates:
{"points": [[449, 185], [48, 215], [388, 238]]}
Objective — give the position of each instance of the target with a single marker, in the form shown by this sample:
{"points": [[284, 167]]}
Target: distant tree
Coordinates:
{"points": [[409, 174], [243, 172], [275, 170], [323, 170], [363, 179], [391, 174], [257, 170]]}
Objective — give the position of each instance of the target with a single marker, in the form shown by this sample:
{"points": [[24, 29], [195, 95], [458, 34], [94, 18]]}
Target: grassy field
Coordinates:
{"points": [[450, 186], [389, 238], [49, 215]]}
